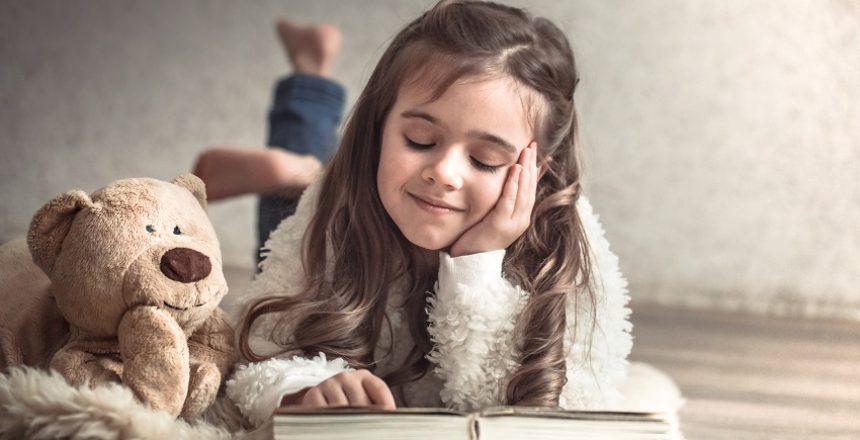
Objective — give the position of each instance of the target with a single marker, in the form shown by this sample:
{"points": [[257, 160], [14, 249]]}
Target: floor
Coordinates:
{"points": [[749, 377], [746, 377]]}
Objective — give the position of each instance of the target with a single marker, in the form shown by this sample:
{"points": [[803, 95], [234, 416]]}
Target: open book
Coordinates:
{"points": [[491, 424]]}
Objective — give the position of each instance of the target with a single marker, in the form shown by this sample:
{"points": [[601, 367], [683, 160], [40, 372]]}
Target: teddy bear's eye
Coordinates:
{"points": [[176, 230], [150, 229]]}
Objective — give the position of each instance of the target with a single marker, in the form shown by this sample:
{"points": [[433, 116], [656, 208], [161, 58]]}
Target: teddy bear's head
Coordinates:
{"points": [[133, 242]]}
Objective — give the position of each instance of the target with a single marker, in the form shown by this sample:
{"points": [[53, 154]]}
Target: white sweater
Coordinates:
{"points": [[471, 314]]}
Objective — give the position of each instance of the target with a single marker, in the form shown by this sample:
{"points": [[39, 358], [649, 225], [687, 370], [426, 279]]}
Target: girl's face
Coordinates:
{"points": [[443, 164]]}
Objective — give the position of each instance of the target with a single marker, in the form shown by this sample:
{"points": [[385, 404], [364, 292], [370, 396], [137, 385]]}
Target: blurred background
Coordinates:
{"points": [[722, 138]]}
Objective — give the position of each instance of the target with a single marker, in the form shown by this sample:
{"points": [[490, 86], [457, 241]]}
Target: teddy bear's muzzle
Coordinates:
{"points": [[185, 265]]}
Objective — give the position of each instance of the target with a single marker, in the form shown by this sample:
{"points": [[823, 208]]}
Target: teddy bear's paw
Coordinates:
{"points": [[202, 389]]}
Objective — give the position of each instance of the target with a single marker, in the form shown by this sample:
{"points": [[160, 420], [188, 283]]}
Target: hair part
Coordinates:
{"points": [[340, 310]]}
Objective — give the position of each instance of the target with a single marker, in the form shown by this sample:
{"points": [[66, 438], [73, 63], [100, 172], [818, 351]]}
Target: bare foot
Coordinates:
{"points": [[229, 172], [310, 49]]}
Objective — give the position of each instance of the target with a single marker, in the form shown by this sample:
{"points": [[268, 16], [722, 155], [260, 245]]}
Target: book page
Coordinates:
{"points": [[372, 424], [502, 423]]}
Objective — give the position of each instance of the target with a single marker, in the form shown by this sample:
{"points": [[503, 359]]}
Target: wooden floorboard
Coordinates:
{"points": [[751, 377]]}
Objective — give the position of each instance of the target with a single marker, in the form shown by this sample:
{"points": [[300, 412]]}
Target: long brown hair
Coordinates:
{"points": [[353, 252]]}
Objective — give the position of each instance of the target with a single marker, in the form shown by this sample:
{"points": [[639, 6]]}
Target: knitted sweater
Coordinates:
{"points": [[471, 318]]}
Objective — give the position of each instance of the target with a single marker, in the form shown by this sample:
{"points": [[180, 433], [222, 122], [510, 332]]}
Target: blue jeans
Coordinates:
{"points": [[304, 118]]}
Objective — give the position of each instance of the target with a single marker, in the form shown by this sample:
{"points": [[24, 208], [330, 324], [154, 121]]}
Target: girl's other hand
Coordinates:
{"points": [[512, 214], [350, 388]]}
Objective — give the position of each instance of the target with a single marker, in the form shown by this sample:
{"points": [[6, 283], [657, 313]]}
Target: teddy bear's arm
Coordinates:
{"points": [[155, 356], [212, 356], [213, 342]]}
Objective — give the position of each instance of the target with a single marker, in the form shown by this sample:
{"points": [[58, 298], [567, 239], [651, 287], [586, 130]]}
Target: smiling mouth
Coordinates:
{"points": [[166, 304], [432, 207]]}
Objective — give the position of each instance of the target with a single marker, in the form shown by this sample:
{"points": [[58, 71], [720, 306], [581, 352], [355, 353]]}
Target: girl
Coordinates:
{"points": [[445, 256]]}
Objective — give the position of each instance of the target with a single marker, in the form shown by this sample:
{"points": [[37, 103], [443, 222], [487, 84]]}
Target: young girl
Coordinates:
{"points": [[445, 257]]}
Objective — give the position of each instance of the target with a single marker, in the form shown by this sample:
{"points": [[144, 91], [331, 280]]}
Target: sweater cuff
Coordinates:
{"points": [[467, 277], [258, 388]]}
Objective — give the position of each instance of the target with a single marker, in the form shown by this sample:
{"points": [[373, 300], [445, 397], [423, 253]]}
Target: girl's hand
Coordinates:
{"points": [[350, 388], [512, 213]]}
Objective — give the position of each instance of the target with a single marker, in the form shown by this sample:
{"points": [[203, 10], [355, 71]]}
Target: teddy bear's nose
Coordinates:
{"points": [[185, 265]]}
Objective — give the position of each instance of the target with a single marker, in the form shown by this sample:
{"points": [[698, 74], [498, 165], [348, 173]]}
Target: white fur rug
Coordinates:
{"points": [[36, 404]]}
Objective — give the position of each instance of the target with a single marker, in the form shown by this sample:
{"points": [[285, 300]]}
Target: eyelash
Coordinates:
{"points": [[484, 167], [476, 163], [416, 146]]}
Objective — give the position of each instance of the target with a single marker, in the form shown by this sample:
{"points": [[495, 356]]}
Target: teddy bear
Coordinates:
{"points": [[122, 286]]}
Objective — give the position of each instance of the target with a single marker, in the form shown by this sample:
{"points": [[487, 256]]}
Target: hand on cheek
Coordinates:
{"points": [[358, 388], [511, 215]]}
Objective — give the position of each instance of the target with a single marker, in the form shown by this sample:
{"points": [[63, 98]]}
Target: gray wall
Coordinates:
{"points": [[722, 137]]}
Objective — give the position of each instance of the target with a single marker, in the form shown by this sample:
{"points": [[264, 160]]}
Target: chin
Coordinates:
{"points": [[429, 241]]}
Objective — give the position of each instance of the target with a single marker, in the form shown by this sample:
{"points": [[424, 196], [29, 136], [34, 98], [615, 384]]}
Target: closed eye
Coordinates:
{"points": [[475, 162], [416, 146], [481, 166]]}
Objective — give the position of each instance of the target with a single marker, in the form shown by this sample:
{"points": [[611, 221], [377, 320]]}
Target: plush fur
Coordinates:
{"points": [[129, 287], [41, 405]]}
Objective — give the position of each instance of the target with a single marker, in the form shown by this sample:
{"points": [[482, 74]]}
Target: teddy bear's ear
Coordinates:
{"points": [[195, 185], [50, 226]]}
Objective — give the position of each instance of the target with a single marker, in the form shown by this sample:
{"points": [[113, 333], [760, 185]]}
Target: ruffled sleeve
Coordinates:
{"points": [[258, 388], [471, 319], [472, 316]]}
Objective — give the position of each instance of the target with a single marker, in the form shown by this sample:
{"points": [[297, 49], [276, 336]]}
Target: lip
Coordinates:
{"points": [[433, 206]]}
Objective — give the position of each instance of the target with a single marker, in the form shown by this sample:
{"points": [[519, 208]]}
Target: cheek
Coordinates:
{"points": [[384, 152], [389, 174], [487, 193], [386, 173]]}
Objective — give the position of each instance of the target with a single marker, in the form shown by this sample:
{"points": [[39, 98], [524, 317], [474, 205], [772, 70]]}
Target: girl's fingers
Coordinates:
{"points": [[355, 393], [378, 392], [507, 203], [526, 183], [333, 393], [535, 176], [314, 398]]}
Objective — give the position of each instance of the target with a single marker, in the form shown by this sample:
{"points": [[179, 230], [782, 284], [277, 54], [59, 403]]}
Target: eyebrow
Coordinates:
{"points": [[483, 135]]}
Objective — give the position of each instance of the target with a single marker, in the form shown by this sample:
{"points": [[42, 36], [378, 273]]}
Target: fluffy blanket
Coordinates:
{"points": [[37, 404]]}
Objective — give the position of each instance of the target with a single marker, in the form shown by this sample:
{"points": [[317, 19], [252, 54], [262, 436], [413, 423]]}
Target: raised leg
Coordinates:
{"points": [[306, 110], [80, 367]]}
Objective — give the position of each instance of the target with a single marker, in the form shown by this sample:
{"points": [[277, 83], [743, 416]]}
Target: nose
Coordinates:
{"points": [[444, 169], [185, 265]]}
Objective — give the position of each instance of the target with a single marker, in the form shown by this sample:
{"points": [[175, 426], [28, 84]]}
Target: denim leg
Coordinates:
{"points": [[304, 118]]}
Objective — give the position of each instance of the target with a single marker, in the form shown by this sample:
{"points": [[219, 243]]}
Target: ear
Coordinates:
{"points": [[195, 185], [50, 226]]}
